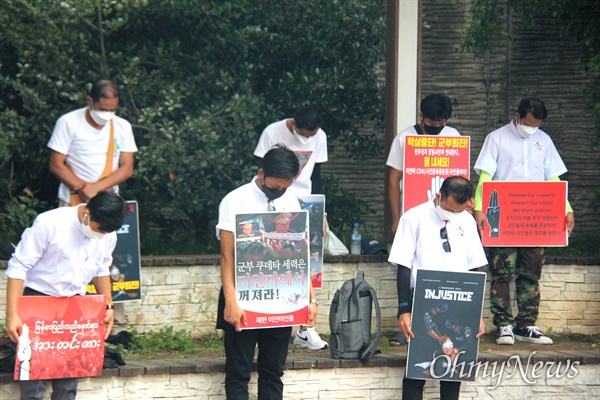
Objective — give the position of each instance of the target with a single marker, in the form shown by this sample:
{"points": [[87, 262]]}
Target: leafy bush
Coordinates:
{"points": [[343, 208], [199, 81], [165, 340]]}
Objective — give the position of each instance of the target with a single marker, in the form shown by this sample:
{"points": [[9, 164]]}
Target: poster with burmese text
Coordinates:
{"points": [[428, 160], [62, 337]]}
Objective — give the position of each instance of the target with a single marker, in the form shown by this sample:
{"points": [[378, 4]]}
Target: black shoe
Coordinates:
{"points": [[505, 335], [532, 334]]}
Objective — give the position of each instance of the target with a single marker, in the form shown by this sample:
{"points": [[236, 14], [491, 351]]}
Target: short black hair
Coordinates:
{"points": [[280, 162], [108, 209], [307, 118], [532, 105], [436, 107], [457, 187], [104, 89]]}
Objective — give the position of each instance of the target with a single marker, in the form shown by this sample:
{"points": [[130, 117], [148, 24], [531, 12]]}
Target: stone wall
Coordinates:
{"points": [[182, 292], [485, 93], [315, 383]]}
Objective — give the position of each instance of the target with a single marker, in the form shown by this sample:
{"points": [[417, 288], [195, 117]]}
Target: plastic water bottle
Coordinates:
{"points": [[356, 240]]}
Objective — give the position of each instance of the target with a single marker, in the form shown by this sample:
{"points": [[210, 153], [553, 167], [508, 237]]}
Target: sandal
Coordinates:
{"points": [[398, 340]]}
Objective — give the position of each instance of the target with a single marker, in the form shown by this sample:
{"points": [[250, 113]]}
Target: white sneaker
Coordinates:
{"points": [[532, 334], [505, 335], [310, 339]]}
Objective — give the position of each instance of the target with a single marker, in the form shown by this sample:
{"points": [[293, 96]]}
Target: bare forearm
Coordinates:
{"points": [[117, 177], [66, 175], [14, 289], [103, 286]]}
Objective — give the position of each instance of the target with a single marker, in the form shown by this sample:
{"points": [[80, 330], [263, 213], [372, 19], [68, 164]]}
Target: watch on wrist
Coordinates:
{"points": [[314, 301], [110, 307]]}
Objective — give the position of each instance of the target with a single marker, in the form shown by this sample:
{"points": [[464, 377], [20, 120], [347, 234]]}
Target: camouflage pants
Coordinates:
{"points": [[524, 264]]}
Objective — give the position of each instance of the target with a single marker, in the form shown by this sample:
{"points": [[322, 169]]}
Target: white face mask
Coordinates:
{"points": [[87, 230], [302, 139], [445, 215], [526, 130], [101, 117]]}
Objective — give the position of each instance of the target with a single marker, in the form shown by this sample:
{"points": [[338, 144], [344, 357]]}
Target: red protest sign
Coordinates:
{"points": [[525, 214], [61, 337], [428, 160]]}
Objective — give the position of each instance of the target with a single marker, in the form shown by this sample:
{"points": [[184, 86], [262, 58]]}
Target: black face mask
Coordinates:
{"points": [[433, 130], [271, 193]]}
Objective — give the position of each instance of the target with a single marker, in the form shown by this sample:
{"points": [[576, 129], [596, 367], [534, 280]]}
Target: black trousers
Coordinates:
{"points": [[412, 389], [272, 353]]}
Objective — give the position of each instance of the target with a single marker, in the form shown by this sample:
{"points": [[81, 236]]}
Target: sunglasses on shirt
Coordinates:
{"points": [[445, 242]]}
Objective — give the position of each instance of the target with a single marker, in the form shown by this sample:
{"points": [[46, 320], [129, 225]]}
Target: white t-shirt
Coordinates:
{"points": [[507, 156], [55, 257], [418, 245], [308, 154], [396, 156], [86, 146], [250, 199]]}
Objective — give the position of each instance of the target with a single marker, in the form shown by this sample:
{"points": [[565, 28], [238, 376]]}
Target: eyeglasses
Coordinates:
{"points": [[271, 206], [445, 242]]}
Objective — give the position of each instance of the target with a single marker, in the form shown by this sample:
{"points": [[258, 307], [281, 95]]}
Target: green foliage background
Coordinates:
{"points": [[199, 81]]}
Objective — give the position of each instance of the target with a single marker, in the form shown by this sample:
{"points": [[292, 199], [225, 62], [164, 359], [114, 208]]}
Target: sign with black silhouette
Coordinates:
{"points": [[315, 205], [446, 315], [428, 160], [272, 273], [525, 214], [61, 337], [125, 271]]}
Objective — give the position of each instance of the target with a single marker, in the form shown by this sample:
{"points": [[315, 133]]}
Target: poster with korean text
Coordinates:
{"points": [[61, 337], [125, 271], [428, 160], [525, 214], [446, 315], [272, 273], [315, 205]]}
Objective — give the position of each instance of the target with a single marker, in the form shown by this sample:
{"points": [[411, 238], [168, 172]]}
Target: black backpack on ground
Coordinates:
{"points": [[350, 320]]}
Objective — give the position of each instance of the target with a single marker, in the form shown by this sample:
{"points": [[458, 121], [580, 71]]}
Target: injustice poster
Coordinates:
{"points": [[446, 315], [61, 337], [315, 205], [125, 271], [272, 273]]}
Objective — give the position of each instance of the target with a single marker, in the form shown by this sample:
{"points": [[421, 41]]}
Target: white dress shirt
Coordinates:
{"points": [[54, 256], [507, 156], [250, 199], [418, 244]]}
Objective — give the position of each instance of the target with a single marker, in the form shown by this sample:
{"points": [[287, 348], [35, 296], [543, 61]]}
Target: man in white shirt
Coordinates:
{"points": [[47, 262], [304, 136], [436, 110], [267, 192], [80, 146], [518, 151], [438, 234], [80, 155]]}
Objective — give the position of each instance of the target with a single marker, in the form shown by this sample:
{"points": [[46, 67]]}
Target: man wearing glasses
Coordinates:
{"points": [[438, 234], [91, 147], [91, 150]]}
